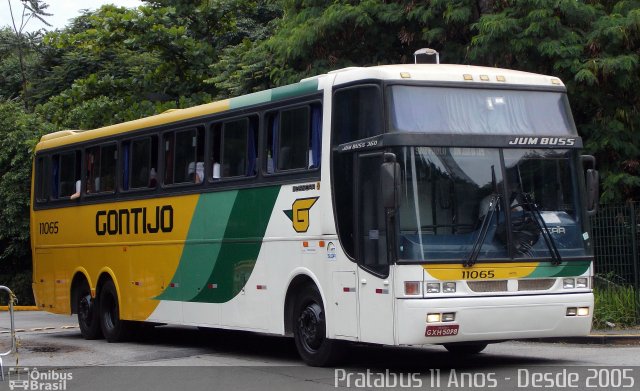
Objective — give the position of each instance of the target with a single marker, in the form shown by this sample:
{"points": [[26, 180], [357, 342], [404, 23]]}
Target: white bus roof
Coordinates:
{"points": [[444, 73]]}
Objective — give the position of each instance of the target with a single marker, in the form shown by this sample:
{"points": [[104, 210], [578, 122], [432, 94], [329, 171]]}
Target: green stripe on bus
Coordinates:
{"points": [[290, 91], [241, 245], [201, 249], [208, 224], [565, 269], [250, 100], [225, 237], [293, 90]]}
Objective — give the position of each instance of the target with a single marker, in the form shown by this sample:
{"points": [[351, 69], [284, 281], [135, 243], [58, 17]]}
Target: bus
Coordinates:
{"points": [[407, 205]]}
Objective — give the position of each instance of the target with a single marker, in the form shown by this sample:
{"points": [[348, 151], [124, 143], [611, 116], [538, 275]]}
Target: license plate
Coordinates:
{"points": [[442, 331]]}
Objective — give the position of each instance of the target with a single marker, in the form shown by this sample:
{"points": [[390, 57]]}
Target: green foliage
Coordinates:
{"points": [[20, 283], [19, 132], [617, 305], [595, 50]]}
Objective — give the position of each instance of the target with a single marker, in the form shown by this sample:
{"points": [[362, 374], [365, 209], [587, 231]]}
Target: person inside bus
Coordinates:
{"points": [[195, 172], [153, 182], [77, 193]]}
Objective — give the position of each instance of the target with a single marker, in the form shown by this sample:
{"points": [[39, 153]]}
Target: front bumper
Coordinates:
{"points": [[494, 318]]}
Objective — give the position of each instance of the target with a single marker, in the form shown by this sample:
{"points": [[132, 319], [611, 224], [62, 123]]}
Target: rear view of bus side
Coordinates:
{"points": [[395, 205]]}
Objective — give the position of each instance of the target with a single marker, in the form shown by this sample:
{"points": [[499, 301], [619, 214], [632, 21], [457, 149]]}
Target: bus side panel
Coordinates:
{"points": [[138, 243]]}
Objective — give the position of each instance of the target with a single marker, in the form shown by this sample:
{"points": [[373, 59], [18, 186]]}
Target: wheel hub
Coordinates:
{"points": [[310, 324], [85, 308]]}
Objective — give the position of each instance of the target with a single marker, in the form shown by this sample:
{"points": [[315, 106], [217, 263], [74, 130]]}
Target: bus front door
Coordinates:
{"points": [[375, 290]]}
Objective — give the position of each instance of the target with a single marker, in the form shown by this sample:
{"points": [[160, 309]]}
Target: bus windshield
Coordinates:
{"points": [[448, 193], [479, 111]]}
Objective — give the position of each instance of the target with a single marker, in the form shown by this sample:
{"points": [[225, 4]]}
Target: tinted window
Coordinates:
{"points": [[294, 138], [234, 148], [101, 162], [357, 114], [42, 168], [184, 160], [142, 155], [66, 175]]}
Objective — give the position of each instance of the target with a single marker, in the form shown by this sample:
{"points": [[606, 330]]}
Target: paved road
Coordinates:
{"points": [[170, 357]]}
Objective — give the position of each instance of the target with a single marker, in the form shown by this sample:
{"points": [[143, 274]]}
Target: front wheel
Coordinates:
{"points": [[465, 349], [113, 328], [309, 331]]}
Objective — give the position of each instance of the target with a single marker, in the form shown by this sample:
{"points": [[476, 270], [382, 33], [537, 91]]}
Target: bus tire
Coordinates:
{"points": [[309, 331], [465, 349], [113, 328], [88, 314]]}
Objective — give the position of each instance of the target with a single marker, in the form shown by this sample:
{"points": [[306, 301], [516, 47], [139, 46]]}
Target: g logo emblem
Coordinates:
{"points": [[299, 213]]}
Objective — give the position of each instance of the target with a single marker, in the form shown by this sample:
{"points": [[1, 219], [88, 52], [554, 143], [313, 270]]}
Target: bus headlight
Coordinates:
{"points": [[582, 282], [579, 311], [449, 287], [433, 287], [568, 283], [448, 316], [433, 318]]}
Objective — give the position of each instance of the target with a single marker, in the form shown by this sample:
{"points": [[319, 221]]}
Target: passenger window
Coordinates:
{"points": [[140, 163], [294, 139], [184, 157], [66, 175], [101, 163], [234, 148], [42, 170]]}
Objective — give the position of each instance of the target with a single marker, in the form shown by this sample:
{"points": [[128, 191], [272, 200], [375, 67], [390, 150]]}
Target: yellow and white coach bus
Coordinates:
{"points": [[395, 205]]}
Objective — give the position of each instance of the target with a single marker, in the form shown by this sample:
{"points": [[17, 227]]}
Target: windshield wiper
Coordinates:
{"points": [[542, 226], [484, 228]]}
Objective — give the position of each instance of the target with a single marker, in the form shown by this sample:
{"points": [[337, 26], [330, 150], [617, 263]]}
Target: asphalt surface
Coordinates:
{"points": [[170, 357]]}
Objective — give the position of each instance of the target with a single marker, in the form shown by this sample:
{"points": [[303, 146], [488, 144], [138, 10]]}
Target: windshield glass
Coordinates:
{"points": [[480, 111], [446, 195]]}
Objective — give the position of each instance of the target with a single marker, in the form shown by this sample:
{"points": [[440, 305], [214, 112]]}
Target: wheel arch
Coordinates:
{"points": [[80, 275], [299, 280], [105, 275]]}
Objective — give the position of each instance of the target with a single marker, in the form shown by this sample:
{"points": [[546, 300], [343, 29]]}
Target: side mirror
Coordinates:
{"points": [[592, 182], [389, 180], [593, 191]]}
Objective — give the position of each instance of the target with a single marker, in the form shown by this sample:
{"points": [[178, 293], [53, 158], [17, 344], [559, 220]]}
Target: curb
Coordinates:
{"points": [[20, 308], [595, 339]]}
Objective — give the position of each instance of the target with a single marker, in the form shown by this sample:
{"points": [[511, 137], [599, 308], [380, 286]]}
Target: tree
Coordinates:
{"points": [[118, 64], [30, 9], [595, 48], [19, 132]]}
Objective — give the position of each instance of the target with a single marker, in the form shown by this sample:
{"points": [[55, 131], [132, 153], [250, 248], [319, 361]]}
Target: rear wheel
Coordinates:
{"points": [[88, 318], [465, 349], [309, 331], [113, 328]]}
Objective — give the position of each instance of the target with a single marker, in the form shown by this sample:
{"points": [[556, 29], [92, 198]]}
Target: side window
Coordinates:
{"points": [[294, 139], [101, 163], [357, 113], [293, 144], [234, 148], [42, 170], [184, 156], [372, 225], [65, 175], [140, 158]]}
